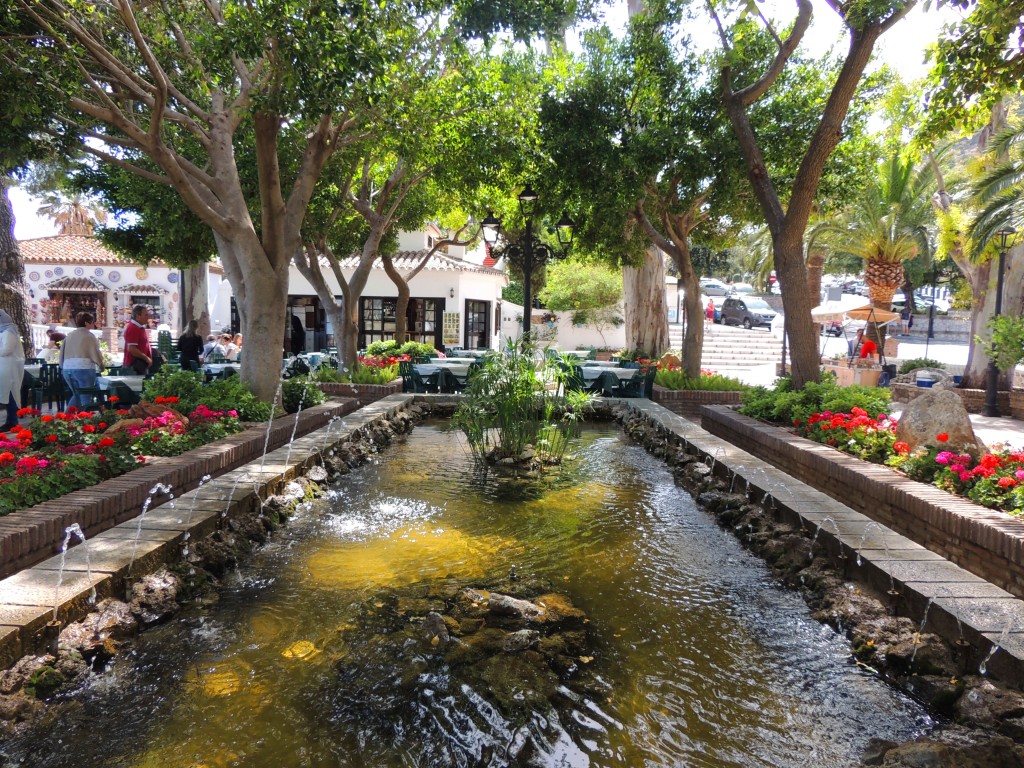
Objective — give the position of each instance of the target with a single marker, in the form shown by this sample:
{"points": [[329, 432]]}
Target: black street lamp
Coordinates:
{"points": [[528, 252], [1006, 237]]}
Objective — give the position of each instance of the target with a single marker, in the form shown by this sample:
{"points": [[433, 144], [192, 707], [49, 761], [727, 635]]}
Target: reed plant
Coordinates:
{"points": [[518, 406]]}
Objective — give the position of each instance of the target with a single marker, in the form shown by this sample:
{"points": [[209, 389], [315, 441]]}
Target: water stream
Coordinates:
{"points": [[696, 657]]}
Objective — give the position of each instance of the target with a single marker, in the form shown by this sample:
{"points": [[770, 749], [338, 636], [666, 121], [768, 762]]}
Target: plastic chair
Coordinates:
{"points": [[54, 385], [31, 391], [412, 381], [97, 395], [126, 396], [607, 383], [448, 382]]}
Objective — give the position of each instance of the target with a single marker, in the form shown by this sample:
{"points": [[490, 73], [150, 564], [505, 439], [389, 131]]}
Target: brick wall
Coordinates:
{"points": [[987, 543], [28, 536], [365, 393], [689, 402]]}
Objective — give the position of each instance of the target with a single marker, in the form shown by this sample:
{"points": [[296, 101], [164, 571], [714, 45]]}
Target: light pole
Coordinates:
{"points": [[528, 252], [1006, 237]]}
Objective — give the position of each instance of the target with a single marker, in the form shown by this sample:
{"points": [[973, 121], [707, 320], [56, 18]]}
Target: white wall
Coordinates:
{"points": [[562, 334]]}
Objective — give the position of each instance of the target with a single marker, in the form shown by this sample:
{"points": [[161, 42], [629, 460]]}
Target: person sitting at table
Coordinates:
{"points": [[138, 354], [868, 348], [81, 359], [230, 348], [12, 369], [190, 346], [209, 347], [238, 343]]}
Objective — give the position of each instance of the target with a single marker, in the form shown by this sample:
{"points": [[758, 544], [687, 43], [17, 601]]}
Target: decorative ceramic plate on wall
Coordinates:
{"points": [[79, 271], [33, 276], [114, 277], [141, 273], [98, 271], [58, 271], [172, 278]]}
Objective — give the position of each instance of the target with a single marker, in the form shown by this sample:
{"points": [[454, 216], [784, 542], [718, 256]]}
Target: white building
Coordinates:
{"points": [[455, 300], [68, 274]]}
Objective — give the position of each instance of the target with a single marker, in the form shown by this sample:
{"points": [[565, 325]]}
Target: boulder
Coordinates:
{"points": [[513, 607], [520, 641], [935, 413], [99, 632]]}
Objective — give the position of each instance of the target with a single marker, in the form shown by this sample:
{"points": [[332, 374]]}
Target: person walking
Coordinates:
{"points": [[906, 318], [81, 358], [12, 368], [709, 314], [190, 346]]}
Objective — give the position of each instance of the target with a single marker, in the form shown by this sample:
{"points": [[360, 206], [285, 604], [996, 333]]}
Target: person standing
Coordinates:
{"points": [[906, 318], [709, 314], [81, 358], [138, 354], [298, 336], [12, 368], [190, 346]]}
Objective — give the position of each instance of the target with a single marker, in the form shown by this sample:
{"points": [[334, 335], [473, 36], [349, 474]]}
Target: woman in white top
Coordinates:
{"points": [[12, 368], [230, 349], [81, 358]]}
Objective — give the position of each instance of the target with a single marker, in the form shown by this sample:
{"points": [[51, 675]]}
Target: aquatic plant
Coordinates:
{"points": [[511, 411]]}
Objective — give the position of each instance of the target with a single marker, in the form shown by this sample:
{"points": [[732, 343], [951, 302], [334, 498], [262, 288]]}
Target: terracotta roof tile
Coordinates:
{"points": [[70, 249], [405, 260], [76, 285], [136, 288]]}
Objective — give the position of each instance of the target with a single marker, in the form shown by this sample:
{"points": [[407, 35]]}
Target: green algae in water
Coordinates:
{"points": [[693, 656]]}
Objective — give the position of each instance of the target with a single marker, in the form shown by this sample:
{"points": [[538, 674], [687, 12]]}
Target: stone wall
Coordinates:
{"points": [[365, 393], [1010, 403], [987, 543]]}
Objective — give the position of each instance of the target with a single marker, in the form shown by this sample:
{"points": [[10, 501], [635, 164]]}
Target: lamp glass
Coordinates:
{"points": [[1006, 236], [564, 230], [528, 202], [490, 227]]}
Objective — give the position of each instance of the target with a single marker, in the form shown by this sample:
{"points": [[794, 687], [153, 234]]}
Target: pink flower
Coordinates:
{"points": [[965, 476], [1019, 474], [957, 468], [944, 458]]}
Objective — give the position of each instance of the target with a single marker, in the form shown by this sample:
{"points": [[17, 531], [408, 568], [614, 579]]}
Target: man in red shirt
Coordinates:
{"points": [[137, 352]]}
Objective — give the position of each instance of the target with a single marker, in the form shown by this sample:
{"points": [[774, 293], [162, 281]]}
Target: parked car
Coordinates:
{"points": [[744, 288], [711, 287], [748, 311], [832, 328], [704, 299]]}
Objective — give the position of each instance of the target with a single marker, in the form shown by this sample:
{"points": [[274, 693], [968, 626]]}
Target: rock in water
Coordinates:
{"points": [[936, 413], [435, 631], [503, 605], [154, 598], [520, 641]]}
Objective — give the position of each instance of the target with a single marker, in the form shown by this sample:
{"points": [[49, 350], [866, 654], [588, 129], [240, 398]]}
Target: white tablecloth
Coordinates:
{"points": [[599, 364], [444, 360], [426, 369], [217, 368], [590, 373], [35, 370], [133, 383]]}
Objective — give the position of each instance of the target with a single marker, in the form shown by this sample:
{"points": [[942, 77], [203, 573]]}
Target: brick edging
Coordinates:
{"points": [[986, 542], [688, 402], [28, 536], [367, 393]]}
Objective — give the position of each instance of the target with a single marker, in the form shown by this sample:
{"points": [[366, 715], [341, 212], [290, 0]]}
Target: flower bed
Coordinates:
{"points": [[55, 454], [995, 480]]}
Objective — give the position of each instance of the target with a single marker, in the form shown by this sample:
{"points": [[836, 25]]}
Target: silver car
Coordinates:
{"points": [[748, 311]]}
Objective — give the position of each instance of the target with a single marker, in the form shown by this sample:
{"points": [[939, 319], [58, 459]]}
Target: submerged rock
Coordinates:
{"points": [[155, 597], [520, 641]]}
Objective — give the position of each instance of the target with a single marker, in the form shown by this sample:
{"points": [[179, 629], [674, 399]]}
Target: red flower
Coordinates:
{"points": [[106, 442], [1006, 482], [942, 437], [122, 412], [102, 425], [113, 399], [51, 438], [25, 434], [6, 457], [46, 419], [901, 447], [89, 428]]}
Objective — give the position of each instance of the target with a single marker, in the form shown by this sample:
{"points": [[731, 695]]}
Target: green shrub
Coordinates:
{"points": [[383, 348], [327, 374], [414, 349], [219, 395], [373, 374], [676, 379], [919, 362], [784, 405], [301, 391]]}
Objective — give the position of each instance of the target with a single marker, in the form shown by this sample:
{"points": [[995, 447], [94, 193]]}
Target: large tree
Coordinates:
{"points": [[178, 83], [788, 209]]}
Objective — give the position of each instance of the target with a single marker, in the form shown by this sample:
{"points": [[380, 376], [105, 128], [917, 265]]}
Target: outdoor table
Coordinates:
{"points": [[215, 369], [134, 383], [460, 360], [460, 370], [599, 364], [35, 370], [582, 354]]}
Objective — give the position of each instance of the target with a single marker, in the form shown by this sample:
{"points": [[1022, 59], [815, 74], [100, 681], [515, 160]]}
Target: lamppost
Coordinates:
{"points": [[528, 252], [1006, 237]]}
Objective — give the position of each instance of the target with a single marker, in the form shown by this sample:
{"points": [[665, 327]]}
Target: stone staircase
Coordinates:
{"points": [[733, 348]]}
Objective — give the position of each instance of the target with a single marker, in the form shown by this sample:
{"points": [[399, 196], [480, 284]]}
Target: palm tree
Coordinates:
{"points": [[73, 215], [887, 225], [1000, 191]]}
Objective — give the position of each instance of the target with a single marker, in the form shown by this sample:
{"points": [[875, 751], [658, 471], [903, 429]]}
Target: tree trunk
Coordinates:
{"points": [[693, 309], [646, 307], [790, 269], [13, 291], [983, 279], [196, 299], [402, 303]]}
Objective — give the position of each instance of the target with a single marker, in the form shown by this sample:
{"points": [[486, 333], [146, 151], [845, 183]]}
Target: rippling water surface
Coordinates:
{"points": [[699, 659]]}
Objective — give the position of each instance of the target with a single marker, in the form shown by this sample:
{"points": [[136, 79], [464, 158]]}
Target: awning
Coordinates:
{"points": [[75, 285], [836, 310], [873, 315], [141, 290]]}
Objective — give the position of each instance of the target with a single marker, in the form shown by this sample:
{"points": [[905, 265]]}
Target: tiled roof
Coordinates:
{"points": [[136, 288], [70, 249], [76, 285], [406, 260], [489, 258]]}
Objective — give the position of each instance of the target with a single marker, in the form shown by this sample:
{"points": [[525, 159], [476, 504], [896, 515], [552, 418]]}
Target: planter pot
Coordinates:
{"points": [[926, 383]]}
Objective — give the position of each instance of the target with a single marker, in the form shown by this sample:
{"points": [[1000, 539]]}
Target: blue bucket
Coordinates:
{"points": [[927, 384]]}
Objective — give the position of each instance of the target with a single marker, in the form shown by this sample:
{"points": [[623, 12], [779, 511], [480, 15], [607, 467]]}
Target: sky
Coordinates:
{"points": [[902, 47]]}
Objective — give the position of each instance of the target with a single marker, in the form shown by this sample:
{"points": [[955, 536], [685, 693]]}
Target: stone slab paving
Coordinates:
{"points": [[142, 545], [925, 586]]}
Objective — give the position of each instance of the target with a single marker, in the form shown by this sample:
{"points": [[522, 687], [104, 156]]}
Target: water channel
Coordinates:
{"points": [[695, 657]]}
